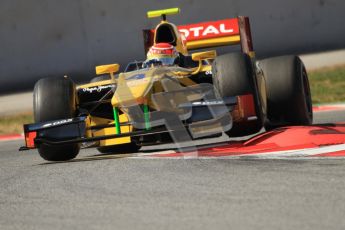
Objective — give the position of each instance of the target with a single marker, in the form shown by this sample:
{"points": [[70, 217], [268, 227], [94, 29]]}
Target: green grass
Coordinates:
{"points": [[12, 124], [328, 85]]}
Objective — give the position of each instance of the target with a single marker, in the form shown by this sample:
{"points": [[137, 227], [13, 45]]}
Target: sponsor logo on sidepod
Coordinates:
{"points": [[97, 88]]}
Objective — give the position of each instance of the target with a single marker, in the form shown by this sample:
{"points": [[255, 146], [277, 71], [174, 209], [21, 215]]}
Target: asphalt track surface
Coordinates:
{"points": [[117, 192]]}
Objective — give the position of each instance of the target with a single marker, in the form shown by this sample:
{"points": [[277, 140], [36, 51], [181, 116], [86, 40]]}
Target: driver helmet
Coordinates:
{"points": [[161, 54]]}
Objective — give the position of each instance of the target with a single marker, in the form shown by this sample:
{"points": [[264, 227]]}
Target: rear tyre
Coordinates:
{"points": [[233, 75], [288, 92], [54, 99], [123, 148]]}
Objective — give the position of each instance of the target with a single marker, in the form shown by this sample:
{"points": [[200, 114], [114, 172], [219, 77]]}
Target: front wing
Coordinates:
{"points": [[73, 130]]}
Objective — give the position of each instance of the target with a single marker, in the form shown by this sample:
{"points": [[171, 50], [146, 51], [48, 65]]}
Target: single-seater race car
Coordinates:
{"points": [[173, 95]]}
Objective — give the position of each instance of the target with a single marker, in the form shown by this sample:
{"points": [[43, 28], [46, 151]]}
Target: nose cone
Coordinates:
{"points": [[132, 88]]}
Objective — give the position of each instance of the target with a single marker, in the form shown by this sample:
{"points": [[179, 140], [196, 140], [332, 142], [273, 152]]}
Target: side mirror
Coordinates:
{"points": [[110, 69], [104, 69], [212, 54]]}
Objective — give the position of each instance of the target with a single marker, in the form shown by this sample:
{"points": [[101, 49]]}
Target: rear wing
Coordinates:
{"points": [[234, 31]]}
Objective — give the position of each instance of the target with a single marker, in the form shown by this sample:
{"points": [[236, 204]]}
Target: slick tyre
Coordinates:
{"points": [[54, 99], [123, 148], [288, 92], [233, 75]]}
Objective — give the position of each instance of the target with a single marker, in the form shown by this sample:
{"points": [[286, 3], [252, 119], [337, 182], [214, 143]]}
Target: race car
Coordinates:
{"points": [[172, 96]]}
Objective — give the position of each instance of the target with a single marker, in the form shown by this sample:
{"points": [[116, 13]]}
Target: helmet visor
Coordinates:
{"points": [[168, 61]]}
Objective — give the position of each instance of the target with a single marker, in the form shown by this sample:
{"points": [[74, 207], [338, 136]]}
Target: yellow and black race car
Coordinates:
{"points": [[172, 96]]}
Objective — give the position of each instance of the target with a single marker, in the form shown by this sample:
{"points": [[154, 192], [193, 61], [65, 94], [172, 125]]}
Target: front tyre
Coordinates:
{"points": [[54, 99], [233, 75], [100, 78]]}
